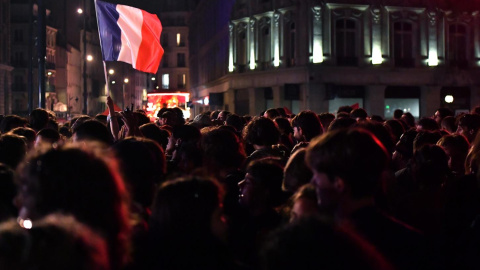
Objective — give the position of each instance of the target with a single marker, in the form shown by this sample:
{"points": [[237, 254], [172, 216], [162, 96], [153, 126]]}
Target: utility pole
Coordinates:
{"points": [[30, 57], [85, 90], [41, 51]]}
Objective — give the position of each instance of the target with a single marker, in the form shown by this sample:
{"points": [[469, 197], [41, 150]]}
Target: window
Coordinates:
{"points": [[345, 42], [265, 56], [164, 40], [165, 61], [241, 51], [343, 95], [268, 94], [292, 97], [18, 35], [18, 59], [181, 81], [165, 81], [180, 60], [405, 98], [18, 84], [457, 45], [290, 44], [403, 44], [180, 40]]}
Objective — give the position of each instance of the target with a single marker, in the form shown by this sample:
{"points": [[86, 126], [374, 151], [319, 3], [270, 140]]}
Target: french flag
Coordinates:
{"points": [[129, 35]]}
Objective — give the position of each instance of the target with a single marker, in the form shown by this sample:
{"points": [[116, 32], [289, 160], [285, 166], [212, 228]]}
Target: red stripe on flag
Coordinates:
{"points": [[150, 52]]}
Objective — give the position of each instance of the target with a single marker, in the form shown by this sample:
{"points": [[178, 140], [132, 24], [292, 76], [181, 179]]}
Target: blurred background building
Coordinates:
{"points": [[319, 55], [249, 55]]}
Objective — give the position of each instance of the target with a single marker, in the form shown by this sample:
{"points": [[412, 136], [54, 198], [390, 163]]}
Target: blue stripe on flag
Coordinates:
{"points": [[110, 33]]}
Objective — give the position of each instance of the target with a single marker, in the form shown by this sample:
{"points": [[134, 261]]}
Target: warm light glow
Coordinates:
{"points": [[377, 56], [449, 99], [113, 82], [178, 39], [206, 101], [433, 58], [79, 11], [317, 51], [111, 71], [184, 79], [126, 80], [89, 57], [25, 223], [49, 73], [153, 79], [144, 95]]}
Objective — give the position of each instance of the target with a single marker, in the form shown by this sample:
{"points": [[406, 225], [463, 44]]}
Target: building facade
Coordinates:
{"points": [[414, 55], [5, 57], [24, 35], [173, 73]]}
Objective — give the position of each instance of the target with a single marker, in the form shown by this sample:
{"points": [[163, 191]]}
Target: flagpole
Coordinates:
{"points": [[106, 78], [101, 49]]}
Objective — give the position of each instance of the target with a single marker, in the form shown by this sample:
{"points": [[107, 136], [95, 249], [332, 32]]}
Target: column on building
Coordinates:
{"points": [[474, 96], [375, 99], [256, 100], [251, 56], [317, 35], [476, 37], [229, 97], [432, 38], [377, 57], [430, 100], [276, 38], [231, 51], [5, 92], [278, 96], [314, 96]]}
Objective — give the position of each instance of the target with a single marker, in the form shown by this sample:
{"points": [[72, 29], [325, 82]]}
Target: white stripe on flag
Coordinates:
{"points": [[130, 22]]}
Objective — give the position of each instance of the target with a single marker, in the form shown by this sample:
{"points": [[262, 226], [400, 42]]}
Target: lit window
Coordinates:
{"points": [[165, 81]]}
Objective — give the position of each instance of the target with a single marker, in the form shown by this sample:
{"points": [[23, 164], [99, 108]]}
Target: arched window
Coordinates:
{"points": [[403, 44], [345, 42], [457, 45]]}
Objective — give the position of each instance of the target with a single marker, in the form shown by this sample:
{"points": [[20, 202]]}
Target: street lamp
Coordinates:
{"points": [[85, 58]]}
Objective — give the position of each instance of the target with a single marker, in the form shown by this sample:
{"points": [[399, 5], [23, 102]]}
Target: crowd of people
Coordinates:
{"points": [[223, 191]]}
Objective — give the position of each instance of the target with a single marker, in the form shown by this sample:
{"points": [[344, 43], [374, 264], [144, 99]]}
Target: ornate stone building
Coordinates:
{"points": [[5, 66], [414, 55]]}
